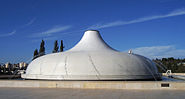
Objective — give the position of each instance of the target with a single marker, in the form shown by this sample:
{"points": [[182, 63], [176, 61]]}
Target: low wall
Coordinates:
{"points": [[181, 74], [94, 84]]}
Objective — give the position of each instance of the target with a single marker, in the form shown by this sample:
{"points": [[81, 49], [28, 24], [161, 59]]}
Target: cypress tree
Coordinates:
{"points": [[61, 46], [35, 55], [42, 48], [55, 49]]}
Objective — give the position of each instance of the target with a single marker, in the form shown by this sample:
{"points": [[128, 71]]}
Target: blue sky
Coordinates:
{"points": [[153, 28]]}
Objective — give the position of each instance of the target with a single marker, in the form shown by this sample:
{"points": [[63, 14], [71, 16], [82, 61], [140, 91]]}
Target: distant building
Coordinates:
{"points": [[9, 68], [7, 65], [23, 65]]}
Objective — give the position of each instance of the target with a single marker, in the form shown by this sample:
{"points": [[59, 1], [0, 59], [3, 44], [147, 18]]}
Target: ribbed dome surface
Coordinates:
{"points": [[91, 59]]}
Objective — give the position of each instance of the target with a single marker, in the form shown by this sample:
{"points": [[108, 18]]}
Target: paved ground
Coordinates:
{"points": [[52, 93]]}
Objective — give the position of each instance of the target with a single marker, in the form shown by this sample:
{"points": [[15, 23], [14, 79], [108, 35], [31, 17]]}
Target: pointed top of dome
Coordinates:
{"points": [[91, 41]]}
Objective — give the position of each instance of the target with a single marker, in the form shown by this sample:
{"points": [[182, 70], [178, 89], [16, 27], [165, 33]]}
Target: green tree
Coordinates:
{"points": [[175, 65], [35, 55], [42, 48], [61, 46], [183, 60], [55, 49]]}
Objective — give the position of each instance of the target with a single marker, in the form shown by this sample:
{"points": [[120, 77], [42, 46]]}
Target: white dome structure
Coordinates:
{"points": [[92, 59]]}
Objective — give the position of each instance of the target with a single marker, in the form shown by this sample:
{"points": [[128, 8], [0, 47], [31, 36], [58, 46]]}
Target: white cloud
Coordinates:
{"points": [[45, 39], [143, 19], [160, 51], [51, 31], [30, 22], [8, 34]]}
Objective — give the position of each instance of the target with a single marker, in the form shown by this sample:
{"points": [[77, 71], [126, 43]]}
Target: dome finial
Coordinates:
{"points": [[130, 51]]}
